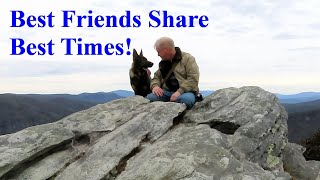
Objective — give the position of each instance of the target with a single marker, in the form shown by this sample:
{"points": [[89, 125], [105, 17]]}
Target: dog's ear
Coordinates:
{"points": [[141, 54], [135, 54]]}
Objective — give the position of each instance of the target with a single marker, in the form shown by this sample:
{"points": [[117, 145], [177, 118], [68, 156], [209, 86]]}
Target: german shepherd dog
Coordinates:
{"points": [[140, 75]]}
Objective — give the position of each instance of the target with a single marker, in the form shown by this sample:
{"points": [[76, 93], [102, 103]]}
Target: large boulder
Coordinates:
{"points": [[235, 133], [256, 119], [193, 153]]}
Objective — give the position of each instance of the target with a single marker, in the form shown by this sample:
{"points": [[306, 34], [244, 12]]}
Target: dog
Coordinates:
{"points": [[140, 78]]}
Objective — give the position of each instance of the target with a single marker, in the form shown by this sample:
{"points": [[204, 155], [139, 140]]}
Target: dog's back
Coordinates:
{"points": [[139, 77]]}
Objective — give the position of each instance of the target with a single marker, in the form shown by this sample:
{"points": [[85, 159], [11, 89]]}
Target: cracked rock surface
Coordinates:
{"points": [[262, 122], [235, 133]]}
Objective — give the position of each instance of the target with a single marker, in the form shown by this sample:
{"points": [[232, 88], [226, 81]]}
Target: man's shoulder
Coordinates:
{"points": [[186, 55], [183, 53]]}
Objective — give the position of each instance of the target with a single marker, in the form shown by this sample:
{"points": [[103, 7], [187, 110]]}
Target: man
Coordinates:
{"points": [[182, 82]]}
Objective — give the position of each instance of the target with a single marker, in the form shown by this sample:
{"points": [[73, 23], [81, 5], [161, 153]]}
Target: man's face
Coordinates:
{"points": [[164, 53]]}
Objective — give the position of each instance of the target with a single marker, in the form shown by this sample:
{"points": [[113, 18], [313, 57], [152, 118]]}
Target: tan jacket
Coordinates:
{"points": [[186, 72]]}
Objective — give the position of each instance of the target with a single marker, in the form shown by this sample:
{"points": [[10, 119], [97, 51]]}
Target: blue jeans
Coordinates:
{"points": [[187, 98]]}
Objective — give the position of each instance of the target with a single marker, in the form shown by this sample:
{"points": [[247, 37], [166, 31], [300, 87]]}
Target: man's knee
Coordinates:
{"points": [[152, 97], [188, 99]]}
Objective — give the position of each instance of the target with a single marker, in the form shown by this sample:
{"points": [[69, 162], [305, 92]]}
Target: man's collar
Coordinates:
{"points": [[177, 57]]}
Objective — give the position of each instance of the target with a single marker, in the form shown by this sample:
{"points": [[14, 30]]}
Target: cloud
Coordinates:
{"points": [[315, 26], [29, 68], [286, 36], [313, 49]]}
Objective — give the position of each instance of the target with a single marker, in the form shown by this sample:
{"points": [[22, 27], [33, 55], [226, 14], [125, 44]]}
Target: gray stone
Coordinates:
{"points": [[47, 167], [149, 122], [192, 153], [296, 164], [30, 143], [20, 149], [103, 117], [262, 122]]}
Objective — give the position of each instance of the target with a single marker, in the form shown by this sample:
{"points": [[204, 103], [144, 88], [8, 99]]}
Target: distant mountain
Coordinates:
{"points": [[303, 120], [302, 125], [302, 107], [19, 111], [99, 97], [206, 93], [123, 93], [298, 98]]}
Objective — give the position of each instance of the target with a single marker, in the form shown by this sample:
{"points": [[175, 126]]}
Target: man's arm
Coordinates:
{"points": [[156, 80], [193, 74], [155, 84]]}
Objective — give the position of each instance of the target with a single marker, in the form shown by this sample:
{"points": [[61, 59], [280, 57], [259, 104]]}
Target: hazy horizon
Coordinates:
{"points": [[77, 93]]}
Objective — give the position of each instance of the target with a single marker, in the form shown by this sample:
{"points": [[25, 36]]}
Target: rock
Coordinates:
{"points": [[193, 153], [103, 117], [47, 167], [104, 133], [297, 166], [255, 117], [26, 145], [232, 134], [148, 123]]}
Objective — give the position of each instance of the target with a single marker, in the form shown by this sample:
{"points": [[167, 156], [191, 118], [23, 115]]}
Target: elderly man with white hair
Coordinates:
{"points": [[177, 78]]}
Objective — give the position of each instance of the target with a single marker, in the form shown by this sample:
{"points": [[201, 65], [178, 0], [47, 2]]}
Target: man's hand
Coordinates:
{"points": [[174, 96], [157, 91]]}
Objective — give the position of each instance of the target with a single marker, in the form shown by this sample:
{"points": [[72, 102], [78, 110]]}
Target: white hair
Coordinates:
{"points": [[164, 42]]}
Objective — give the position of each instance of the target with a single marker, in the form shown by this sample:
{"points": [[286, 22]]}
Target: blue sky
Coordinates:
{"points": [[271, 44]]}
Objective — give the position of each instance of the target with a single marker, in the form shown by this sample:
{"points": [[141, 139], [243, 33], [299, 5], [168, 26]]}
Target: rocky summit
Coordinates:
{"points": [[233, 134]]}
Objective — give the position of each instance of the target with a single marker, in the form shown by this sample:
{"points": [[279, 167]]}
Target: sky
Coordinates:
{"points": [[271, 44]]}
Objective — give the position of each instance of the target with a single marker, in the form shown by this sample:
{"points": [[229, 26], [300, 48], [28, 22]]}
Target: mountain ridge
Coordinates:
{"points": [[46, 108]]}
